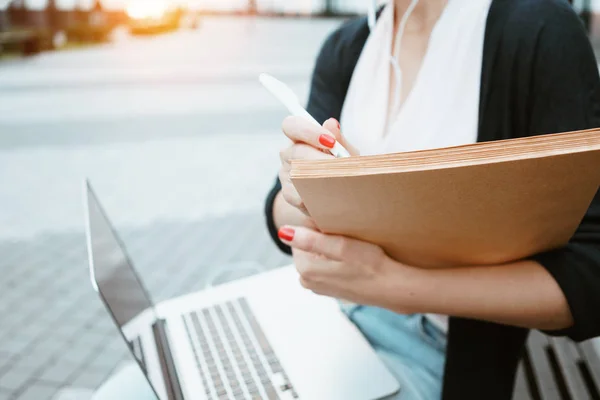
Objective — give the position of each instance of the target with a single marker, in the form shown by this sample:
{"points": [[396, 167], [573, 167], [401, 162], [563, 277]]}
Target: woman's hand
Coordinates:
{"points": [[309, 142], [522, 293], [345, 268]]}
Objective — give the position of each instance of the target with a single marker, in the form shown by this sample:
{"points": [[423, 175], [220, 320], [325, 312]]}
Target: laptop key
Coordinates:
{"points": [[272, 393], [278, 380], [287, 396]]}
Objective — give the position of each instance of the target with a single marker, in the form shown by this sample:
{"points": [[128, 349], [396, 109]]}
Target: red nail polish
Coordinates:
{"points": [[286, 234], [327, 141], [338, 125]]}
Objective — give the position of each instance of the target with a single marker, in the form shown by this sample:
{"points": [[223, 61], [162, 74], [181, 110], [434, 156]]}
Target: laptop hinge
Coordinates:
{"points": [[167, 363]]}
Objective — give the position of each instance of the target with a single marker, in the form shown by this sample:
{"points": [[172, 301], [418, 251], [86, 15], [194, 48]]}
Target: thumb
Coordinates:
{"points": [[333, 126]]}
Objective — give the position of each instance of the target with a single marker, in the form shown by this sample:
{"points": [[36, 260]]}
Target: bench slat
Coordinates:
{"points": [[544, 378], [591, 355], [10, 37], [567, 356], [521, 387]]}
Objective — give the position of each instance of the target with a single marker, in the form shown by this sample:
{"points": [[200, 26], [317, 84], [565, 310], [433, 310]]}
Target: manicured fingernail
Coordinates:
{"points": [[286, 234], [327, 141]]}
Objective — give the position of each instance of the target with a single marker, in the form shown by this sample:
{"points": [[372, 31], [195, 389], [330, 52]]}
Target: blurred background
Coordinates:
{"points": [[156, 102]]}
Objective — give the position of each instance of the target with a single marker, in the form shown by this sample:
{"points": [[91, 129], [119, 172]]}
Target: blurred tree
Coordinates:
{"points": [[16, 12], [52, 15], [3, 22], [329, 7]]}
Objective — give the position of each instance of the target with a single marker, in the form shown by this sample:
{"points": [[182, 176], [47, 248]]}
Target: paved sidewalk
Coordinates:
{"points": [[55, 332], [139, 180]]}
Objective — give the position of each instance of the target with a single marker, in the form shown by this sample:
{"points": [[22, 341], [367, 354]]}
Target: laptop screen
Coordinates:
{"points": [[115, 277], [118, 284]]}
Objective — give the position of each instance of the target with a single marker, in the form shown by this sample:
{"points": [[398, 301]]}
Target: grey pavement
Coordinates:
{"points": [[181, 144]]}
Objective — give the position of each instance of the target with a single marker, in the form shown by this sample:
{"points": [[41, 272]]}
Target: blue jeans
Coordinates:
{"points": [[413, 349]]}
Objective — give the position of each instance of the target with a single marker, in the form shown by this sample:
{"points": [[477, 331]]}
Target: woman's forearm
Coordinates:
{"points": [[285, 214], [521, 294]]}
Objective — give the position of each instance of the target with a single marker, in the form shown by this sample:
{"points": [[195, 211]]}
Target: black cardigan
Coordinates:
{"points": [[539, 75]]}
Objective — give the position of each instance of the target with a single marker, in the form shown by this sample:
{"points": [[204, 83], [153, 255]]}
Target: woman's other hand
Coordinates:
{"points": [[309, 142], [362, 273], [345, 268]]}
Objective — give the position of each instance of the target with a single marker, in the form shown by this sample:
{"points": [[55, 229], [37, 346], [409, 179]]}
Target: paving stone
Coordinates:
{"points": [[52, 347], [12, 318], [73, 394], [13, 379], [115, 343], [102, 323], [52, 316], [28, 332], [13, 344], [61, 303], [31, 360], [93, 339], [61, 327], [58, 372], [38, 391], [4, 306], [77, 355], [60, 343], [42, 351], [90, 378], [105, 360], [5, 358]]}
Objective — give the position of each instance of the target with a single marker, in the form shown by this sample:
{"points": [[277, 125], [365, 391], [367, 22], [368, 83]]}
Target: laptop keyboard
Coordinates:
{"points": [[234, 357]]}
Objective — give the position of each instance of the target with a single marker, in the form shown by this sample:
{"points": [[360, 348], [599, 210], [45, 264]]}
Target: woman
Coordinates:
{"points": [[432, 74]]}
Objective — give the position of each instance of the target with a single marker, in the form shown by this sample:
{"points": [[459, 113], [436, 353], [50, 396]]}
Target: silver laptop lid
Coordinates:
{"points": [[112, 273]]}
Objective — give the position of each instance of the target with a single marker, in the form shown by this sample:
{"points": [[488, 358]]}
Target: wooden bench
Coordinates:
{"points": [[558, 369], [26, 41]]}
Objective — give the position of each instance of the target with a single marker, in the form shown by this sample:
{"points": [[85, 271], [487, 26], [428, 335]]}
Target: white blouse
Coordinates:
{"points": [[442, 108]]}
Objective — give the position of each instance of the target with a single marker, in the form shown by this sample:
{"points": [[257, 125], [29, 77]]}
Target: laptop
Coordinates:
{"points": [[263, 337]]}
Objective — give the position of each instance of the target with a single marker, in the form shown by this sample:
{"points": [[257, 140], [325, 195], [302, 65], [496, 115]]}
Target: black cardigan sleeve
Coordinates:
{"points": [[565, 97], [330, 80], [270, 220]]}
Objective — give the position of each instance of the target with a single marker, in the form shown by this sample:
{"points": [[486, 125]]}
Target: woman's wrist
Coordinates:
{"points": [[520, 293], [400, 287]]}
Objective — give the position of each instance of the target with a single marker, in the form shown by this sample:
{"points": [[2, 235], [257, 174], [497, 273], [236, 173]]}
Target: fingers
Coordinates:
{"points": [[296, 151], [313, 268], [310, 224], [333, 247], [310, 241], [333, 126], [311, 142], [301, 130], [292, 197], [301, 151]]}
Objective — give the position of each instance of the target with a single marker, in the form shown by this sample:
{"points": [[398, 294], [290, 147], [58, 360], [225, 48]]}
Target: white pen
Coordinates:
{"points": [[289, 99]]}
